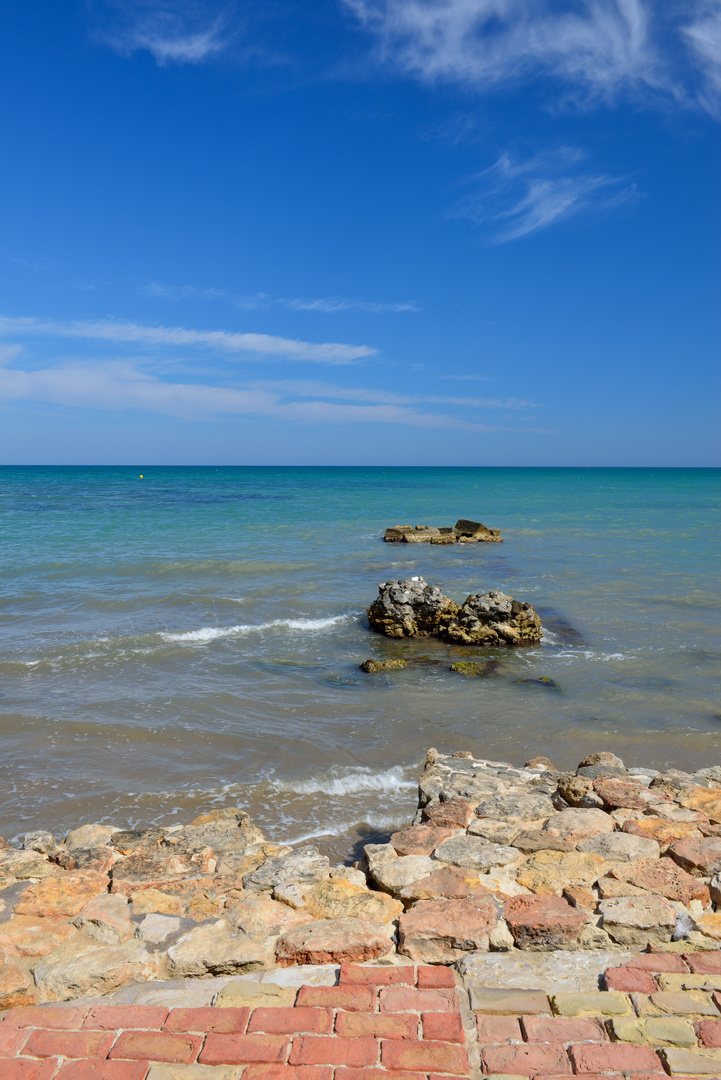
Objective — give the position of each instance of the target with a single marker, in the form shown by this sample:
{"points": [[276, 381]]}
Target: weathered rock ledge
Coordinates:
{"points": [[497, 859], [463, 532], [410, 607]]}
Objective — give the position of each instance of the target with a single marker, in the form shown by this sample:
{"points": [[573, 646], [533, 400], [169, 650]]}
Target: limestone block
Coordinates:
{"points": [[419, 839], [392, 876], [638, 920], [528, 809], [62, 897], [441, 931], [475, 853], [157, 928], [705, 800], [88, 836], [696, 1063], [578, 824], [700, 857], [301, 866], [543, 922], [106, 918], [17, 986], [495, 831], [552, 871], [78, 968], [216, 949], [333, 940], [257, 916], [654, 1030], [664, 877], [620, 846], [335, 897], [601, 1003], [447, 883], [565, 971], [26, 935]]}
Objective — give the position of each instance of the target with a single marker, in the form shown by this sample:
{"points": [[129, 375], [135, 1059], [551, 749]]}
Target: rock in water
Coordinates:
{"points": [[410, 608], [373, 667], [493, 618]]}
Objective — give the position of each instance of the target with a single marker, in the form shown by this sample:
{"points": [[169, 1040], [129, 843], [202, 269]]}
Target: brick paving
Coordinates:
{"points": [[660, 1015]]}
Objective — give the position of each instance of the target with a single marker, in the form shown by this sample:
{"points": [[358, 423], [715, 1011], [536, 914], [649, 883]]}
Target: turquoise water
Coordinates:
{"points": [[192, 638]]}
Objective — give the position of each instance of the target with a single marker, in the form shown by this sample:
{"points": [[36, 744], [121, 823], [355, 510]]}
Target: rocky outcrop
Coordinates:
{"points": [[493, 618], [374, 667], [463, 532], [412, 608]]}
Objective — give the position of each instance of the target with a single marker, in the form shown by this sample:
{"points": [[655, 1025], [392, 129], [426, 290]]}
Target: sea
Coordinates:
{"points": [[174, 640]]}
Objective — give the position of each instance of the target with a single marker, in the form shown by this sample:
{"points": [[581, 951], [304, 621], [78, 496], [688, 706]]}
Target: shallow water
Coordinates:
{"points": [[192, 639]]}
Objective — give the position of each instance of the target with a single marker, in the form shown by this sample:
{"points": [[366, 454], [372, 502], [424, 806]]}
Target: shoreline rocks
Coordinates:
{"points": [[496, 859], [410, 607], [463, 532]]}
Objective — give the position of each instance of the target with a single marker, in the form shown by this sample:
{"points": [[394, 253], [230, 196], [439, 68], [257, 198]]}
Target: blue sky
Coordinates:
{"points": [[360, 232]]}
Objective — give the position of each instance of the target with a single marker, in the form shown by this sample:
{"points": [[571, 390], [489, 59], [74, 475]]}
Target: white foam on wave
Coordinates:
{"points": [[374, 821], [211, 633], [350, 782]]}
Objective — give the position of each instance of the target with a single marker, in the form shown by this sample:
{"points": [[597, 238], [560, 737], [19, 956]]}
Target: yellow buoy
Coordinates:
{"points": [[141, 476]]}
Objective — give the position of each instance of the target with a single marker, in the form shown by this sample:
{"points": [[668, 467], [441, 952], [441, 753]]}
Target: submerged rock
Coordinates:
{"points": [[476, 669], [373, 667]]}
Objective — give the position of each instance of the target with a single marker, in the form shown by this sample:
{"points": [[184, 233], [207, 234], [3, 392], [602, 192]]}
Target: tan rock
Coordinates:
{"points": [[696, 1063], [216, 949], [609, 887], [29, 936], [81, 967], [24, 865], [600, 1003], [709, 925], [394, 875], [90, 836], [705, 800], [475, 853], [419, 839], [255, 995], [494, 830], [659, 829], [448, 883], [149, 901], [330, 941], [638, 920], [334, 898], [442, 931], [656, 1030], [260, 917], [620, 847], [62, 897], [664, 877], [574, 788], [578, 824], [106, 918], [452, 814], [17, 986], [552, 871]]}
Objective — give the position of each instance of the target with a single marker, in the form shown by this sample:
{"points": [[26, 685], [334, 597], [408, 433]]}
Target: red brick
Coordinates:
{"points": [[72, 1044], [278, 1021], [288, 1072], [58, 1017], [126, 1017], [559, 1029], [357, 998], [103, 1070], [666, 962], [243, 1049], [425, 1056], [498, 1029], [316, 1050], [435, 976], [630, 980], [157, 1046], [206, 1018], [709, 1032], [355, 1025], [444, 1026], [704, 963], [602, 1057], [539, 1059], [374, 1074], [11, 1040], [403, 999], [376, 975], [29, 1069]]}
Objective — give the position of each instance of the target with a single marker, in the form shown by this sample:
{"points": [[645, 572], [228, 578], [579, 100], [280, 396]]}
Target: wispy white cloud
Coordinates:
{"points": [[256, 301], [220, 340], [173, 31], [598, 46], [304, 388], [120, 385], [470, 378], [515, 198], [703, 38]]}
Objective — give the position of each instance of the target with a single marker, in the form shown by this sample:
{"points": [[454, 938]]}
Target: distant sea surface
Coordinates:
{"points": [[192, 639]]}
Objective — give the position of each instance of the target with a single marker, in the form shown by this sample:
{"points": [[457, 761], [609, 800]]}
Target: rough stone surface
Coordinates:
{"points": [[705, 800], [579, 824], [419, 839], [495, 619], [410, 608], [552, 871], [335, 898], [215, 949], [442, 931], [106, 918], [659, 829], [700, 857], [304, 865], [564, 970], [620, 847], [543, 923], [393, 876], [475, 853], [638, 920], [26, 935], [333, 940], [85, 967], [375, 667], [664, 877], [61, 897]]}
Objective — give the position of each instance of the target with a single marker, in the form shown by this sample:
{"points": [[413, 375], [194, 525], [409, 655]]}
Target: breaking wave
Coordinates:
{"points": [[211, 633], [350, 782]]}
